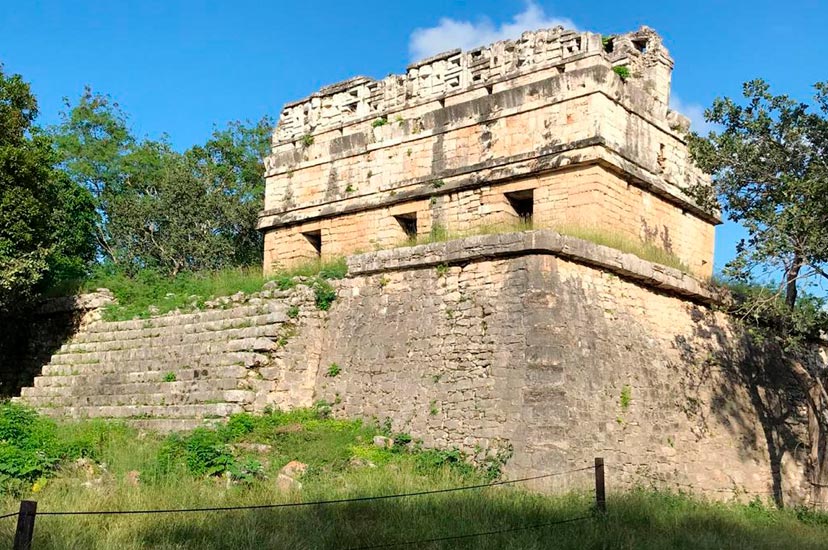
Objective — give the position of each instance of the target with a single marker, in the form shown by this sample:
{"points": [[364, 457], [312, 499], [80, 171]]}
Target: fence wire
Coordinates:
{"points": [[470, 535], [311, 503]]}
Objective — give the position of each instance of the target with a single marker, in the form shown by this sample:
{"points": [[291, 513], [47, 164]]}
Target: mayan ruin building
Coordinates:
{"points": [[558, 129]]}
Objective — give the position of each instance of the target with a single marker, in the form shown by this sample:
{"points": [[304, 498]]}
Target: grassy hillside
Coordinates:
{"points": [[108, 466]]}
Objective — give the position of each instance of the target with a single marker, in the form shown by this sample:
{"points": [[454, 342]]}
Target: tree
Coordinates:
{"points": [[92, 142], [45, 221], [770, 172], [231, 165], [161, 209]]}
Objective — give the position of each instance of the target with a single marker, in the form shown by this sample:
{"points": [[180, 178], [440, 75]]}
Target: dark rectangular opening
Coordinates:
{"points": [[408, 223], [522, 202], [315, 239]]}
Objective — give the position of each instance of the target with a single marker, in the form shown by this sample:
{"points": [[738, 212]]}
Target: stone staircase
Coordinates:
{"points": [[175, 371]]}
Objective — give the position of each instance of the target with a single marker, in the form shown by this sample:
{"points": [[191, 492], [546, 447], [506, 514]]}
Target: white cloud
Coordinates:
{"points": [[450, 33], [693, 111]]}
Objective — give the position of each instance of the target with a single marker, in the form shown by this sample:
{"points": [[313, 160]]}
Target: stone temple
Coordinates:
{"points": [[569, 130], [538, 350]]}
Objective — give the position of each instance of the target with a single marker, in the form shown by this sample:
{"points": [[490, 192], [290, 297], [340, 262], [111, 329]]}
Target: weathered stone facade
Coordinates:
{"points": [[547, 348], [541, 127]]}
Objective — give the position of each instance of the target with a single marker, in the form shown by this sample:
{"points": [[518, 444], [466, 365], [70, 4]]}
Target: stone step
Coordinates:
{"points": [[189, 334], [168, 398], [151, 386], [120, 381], [203, 410], [168, 425], [259, 339], [245, 359], [183, 319], [270, 311]]}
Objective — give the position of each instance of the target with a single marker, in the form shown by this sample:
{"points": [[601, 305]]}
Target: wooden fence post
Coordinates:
{"points": [[25, 525], [600, 489]]}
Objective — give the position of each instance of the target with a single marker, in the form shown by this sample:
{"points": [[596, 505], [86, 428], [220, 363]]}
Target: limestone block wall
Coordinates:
{"points": [[527, 344], [588, 197], [29, 338]]}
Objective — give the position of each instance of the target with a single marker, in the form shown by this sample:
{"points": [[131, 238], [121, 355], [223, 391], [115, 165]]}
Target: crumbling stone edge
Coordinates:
{"points": [[544, 242]]}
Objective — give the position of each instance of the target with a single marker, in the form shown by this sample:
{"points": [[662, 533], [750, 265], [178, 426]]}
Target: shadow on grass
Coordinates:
{"points": [[637, 519]]}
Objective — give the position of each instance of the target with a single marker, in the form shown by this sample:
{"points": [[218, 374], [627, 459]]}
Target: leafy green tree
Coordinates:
{"points": [[230, 164], [45, 220], [770, 171], [160, 209], [92, 142]]}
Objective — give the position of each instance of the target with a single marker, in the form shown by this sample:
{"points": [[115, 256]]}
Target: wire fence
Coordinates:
{"points": [[472, 535], [28, 509], [309, 503]]}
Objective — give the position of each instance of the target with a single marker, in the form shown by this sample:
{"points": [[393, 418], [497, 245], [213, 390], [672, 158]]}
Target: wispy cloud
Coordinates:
{"points": [[693, 111], [451, 33]]}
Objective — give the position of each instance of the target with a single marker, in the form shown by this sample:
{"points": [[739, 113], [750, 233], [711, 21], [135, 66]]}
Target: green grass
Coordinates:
{"points": [[440, 234], [178, 472], [186, 291], [622, 71], [645, 251]]}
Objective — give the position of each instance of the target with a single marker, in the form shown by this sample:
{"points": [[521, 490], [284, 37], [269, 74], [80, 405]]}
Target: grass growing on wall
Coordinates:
{"points": [[645, 251], [219, 467], [136, 294]]}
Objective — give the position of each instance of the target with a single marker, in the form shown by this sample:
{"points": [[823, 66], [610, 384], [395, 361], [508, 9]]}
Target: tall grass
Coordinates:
{"points": [[190, 290], [343, 463], [645, 251]]}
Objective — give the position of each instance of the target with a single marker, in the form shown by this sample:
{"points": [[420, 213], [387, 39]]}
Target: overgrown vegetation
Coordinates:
{"points": [[622, 71], [645, 251], [148, 292], [237, 464], [626, 397]]}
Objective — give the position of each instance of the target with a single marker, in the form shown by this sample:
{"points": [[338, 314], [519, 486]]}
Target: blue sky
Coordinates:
{"points": [[179, 67]]}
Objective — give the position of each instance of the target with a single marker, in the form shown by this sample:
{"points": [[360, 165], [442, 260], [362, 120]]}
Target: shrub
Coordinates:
{"points": [[29, 446], [238, 425], [431, 460], [203, 452], [325, 294], [622, 71], [626, 397]]}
